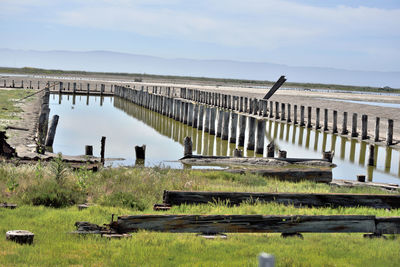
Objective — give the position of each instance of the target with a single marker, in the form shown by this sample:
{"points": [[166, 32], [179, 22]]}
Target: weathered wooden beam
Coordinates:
{"points": [[352, 183], [275, 87], [296, 199], [247, 224], [387, 225]]}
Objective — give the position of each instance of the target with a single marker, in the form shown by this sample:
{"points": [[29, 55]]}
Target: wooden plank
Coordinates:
{"points": [[296, 199], [245, 224], [275, 87], [387, 225], [352, 183]]}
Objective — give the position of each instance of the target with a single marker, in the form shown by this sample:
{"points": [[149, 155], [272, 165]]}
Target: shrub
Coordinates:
{"points": [[51, 194]]}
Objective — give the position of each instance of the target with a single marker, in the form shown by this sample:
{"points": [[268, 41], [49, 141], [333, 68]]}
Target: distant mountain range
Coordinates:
{"points": [[105, 61]]}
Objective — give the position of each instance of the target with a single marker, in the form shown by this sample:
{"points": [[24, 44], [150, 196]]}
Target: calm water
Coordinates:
{"points": [[83, 120], [379, 104]]}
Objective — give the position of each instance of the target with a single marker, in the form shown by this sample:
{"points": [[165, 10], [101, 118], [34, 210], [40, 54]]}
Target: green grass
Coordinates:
{"points": [[9, 109], [53, 246]]}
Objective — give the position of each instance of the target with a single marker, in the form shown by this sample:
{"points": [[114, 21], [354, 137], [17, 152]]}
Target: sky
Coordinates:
{"points": [[351, 34]]}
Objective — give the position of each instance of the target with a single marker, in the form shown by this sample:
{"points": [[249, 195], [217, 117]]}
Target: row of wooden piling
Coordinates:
{"points": [[74, 89], [223, 123]]}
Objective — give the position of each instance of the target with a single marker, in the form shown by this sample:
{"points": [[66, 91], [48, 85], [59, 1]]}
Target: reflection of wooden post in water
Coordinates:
{"points": [[334, 127], [281, 129], [301, 115], [364, 127], [288, 126], [316, 140], [344, 123], [205, 144], [219, 123], [324, 137], [260, 136], [389, 136], [294, 134], [333, 143], [194, 138], [308, 137], [388, 159], [251, 131], [377, 122], [288, 113], [211, 145], [225, 126], [101, 100], [182, 111], [354, 126], [309, 114], [353, 143], [212, 120], [195, 115], [363, 148], [295, 114], [59, 99], [301, 136], [342, 147], [242, 130], [190, 114], [201, 115], [233, 127], [370, 173], [199, 142], [371, 155], [206, 119]]}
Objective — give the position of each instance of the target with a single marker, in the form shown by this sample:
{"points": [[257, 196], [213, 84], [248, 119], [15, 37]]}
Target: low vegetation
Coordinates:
{"points": [[9, 106]]}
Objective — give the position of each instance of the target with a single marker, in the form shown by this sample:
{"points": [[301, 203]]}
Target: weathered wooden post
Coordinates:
{"points": [[103, 147], [271, 109], [361, 178], [187, 144], [74, 88], [289, 119], [185, 112], [225, 126], [61, 87], [20, 236], [52, 131], [237, 153], [364, 127], [309, 123], [213, 112], [255, 106], [30, 85], [282, 154], [295, 114], [283, 112], [88, 150], [371, 156], [389, 136], [140, 152], [317, 118], [240, 104], [242, 130], [334, 126], [264, 107], [377, 122], [233, 127], [260, 136], [302, 116], [13, 84], [276, 110], [328, 155], [354, 126], [271, 150], [201, 116], [344, 123], [326, 127], [252, 126], [266, 260]]}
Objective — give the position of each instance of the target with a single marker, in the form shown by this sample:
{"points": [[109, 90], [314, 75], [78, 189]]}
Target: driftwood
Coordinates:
{"points": [[296, 199], [254, 224], [351, 183]]}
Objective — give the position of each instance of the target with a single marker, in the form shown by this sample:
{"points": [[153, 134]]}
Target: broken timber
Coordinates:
{"points": [[296, 199], [275, 87], [352, 183], [212, 224]]}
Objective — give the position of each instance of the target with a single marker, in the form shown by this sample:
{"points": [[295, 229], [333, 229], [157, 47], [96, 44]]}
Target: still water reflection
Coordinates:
{"points": [[83, 120]]}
